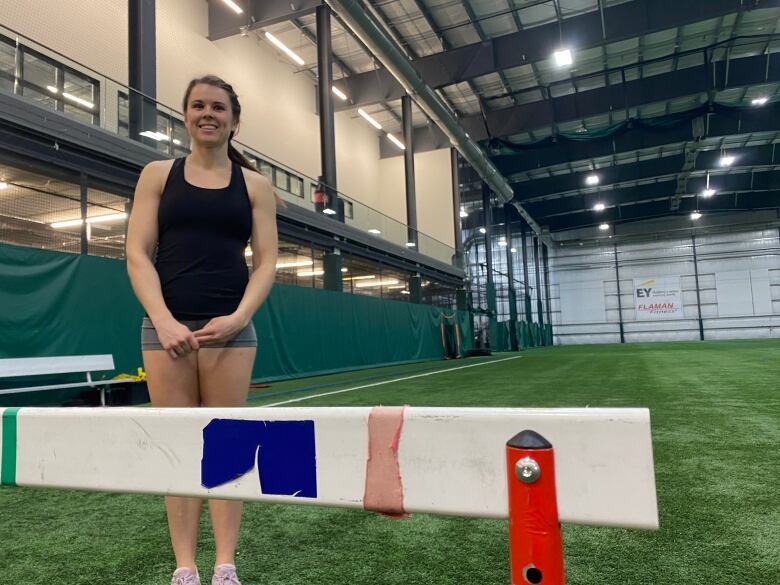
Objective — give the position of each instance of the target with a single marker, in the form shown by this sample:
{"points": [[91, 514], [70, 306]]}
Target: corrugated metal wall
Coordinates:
{"points": [[738, 288]]}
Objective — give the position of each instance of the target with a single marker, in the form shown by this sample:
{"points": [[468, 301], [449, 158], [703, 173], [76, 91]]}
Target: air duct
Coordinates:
{"points": [[371, 33]]}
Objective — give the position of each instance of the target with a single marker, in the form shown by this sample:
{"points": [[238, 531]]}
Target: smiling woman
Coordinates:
{"points": [[199, 213]]}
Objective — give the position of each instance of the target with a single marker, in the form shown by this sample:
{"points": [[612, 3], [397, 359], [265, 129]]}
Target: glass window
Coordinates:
{"points": [[296, 186], [281, 179], [123, 115], [40, 80], [163, 127], [80, 97], [106, 214], [349, 209], [7, 64], [266, 170], [181, 139]]}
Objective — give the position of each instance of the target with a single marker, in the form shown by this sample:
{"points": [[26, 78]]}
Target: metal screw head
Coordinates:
{"points": [[527, 470]]}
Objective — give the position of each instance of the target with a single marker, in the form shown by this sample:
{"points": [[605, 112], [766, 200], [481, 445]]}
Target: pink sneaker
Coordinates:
{"points": [[185, 576], [225, 575]]}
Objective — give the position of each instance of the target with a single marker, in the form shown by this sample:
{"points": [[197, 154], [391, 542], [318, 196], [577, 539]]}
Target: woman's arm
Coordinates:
{"points": [[265, 249], [142, 234]]}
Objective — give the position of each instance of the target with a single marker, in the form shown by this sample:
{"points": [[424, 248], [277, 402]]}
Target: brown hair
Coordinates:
{"points": [[233, 152]]}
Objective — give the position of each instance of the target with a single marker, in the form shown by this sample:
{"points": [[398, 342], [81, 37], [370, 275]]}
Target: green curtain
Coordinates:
{"points": [[54, 303]]}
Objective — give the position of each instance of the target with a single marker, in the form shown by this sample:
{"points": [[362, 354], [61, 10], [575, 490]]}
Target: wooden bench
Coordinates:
{"points": [[41, 366]]}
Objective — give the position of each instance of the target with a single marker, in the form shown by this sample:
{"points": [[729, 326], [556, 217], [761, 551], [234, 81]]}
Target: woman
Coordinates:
{"points": [[198, 340]]}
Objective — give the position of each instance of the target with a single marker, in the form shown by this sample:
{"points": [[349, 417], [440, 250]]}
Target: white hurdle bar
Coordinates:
{"points": [[450, 461]]}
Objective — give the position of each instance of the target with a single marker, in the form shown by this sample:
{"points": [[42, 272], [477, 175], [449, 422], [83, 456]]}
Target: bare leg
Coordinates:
{"points": [[174, 383], [224, 375]]}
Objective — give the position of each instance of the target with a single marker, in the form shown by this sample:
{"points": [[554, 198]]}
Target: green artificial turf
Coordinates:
{"points": [[715, 409]]}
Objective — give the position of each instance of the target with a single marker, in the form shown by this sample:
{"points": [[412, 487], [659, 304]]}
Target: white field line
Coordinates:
{"points": [[386, 382]]}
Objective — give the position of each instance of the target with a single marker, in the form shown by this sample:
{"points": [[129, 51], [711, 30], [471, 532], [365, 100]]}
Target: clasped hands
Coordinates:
{"points": [[178, 340]]}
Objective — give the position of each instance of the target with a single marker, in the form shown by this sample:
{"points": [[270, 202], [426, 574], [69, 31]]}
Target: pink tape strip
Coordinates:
{"points": [[384, 488]]}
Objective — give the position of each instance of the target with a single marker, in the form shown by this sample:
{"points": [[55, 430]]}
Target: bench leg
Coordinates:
{"points": [[535, 544]]}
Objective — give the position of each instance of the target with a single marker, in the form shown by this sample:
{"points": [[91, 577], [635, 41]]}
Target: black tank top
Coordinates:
{"points": [[200, 251]]}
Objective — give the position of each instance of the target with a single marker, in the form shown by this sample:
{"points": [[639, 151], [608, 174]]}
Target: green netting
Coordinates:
{"points": [[53, 304]]}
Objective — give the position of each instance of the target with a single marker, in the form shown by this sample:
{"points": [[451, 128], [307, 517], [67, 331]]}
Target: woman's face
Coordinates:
{"points": [[209, 118]]}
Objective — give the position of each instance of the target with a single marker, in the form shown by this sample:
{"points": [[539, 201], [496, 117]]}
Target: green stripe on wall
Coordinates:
{"points": [[8, 455]]}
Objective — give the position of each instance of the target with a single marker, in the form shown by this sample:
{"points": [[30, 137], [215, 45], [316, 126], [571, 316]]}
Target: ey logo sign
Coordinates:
{"points": [[283, 450], [645, 290]]}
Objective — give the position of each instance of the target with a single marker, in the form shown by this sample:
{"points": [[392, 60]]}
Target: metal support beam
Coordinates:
{"points": [[546, 262], [698, 289], [456, 207], [411, 195], [510, 277], [539, 309], [619, 300], [142, 68], [224, 22], [526, 287], [325, 103], [84, 202]]}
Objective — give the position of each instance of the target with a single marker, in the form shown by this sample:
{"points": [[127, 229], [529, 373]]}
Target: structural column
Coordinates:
{"points": [[487, 215], [619, 299], [331, 264], [329, 185], [458, 260], [510, 275], [526, 286], [546, 261], [142, 69], [698, 293], [411, 196], [539, 308]]}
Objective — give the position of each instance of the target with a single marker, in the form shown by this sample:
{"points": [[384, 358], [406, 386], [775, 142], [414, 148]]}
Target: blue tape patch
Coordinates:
{"points": [[283, 449]]}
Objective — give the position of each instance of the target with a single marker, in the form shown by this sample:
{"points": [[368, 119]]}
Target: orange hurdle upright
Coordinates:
{"points": [[535, 544]]}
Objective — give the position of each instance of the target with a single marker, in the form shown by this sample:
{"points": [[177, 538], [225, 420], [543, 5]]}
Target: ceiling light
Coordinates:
{"points": [[727, 161], [64, 224], [78, 100], [405, 292], [158, 136], [502, 243], [105, 218], [599, 207], [387, 282], [760, 101], [374, 231], [328, 211], [563, 57], [482, 230], [604, 227], [395, 141], [345, 269], [52, 89], [365, 277], [236, 8], [513, 250], [340, 94], [311, 273], [297, 264], [410, 244], [3, 185], [464, 213], [287, 51], [592, 180], [695, 215], [707, 193], [369, 119]]}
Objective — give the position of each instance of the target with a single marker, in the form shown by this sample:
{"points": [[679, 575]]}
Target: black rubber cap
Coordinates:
{"points": [[529, 440]]}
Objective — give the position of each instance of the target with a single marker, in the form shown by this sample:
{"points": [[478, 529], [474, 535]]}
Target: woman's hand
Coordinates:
{"points": [[219, 329], [176, 338]]}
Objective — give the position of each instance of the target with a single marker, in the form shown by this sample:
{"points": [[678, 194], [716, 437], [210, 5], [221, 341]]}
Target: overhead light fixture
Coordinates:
{"points": [[513, 250], [410, 244], [599, 207], [405, 292], [592, 180], [284, 48], [328, 211], [760, 101], [695, 215], [395, 141], [297, 264], [364, 277], [707, 193], [604, 227], [374, 231], [502, 243], [482, 230], [96, 219], [727, 161], [158, 136], [563, 57], [345, 270], [340, 94], [78, 100], [369, 119], [3, 185], [52, 89], [311, 273], [176, 141], [235, 7], [463, 213], [388, 282]]}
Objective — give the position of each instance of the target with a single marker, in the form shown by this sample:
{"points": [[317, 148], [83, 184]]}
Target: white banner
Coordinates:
{"points": [[658, 298]]}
